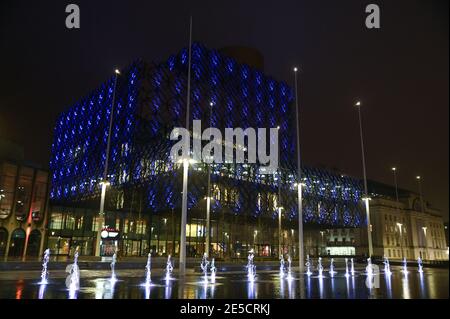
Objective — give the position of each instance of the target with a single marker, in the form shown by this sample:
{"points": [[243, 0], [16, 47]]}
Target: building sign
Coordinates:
{"points": [[109, 233]]}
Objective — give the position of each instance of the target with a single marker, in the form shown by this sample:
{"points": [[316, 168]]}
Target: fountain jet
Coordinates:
{"points": [[405, 266], [251, 268], [332, 271], [148, 270], [320, 267], [282, 267], [387, 266], [213, 271], [420, 265], [73, 280], [289, 270], [369, 268], [113, 268], [352, 267], [347, 274], [308, 266], [169, 268], [204, 266], [44, 273]]}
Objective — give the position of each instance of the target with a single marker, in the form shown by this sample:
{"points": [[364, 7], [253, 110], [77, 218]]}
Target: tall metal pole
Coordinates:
{"points": [[401, 237], [208, 196], [366, 194], [419, 181], [280, 253], [105, 182], [301, 263], [394, 171], [182, 266], [422, 209]]}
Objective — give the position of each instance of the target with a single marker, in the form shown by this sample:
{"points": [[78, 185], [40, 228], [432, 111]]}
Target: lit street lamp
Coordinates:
{"points": [[105, 183], [419, 182], [424, 229], [366, 195], [301, 263], [394, 171], [399, 225], [182, 263], [279, 232], [208, 196]]}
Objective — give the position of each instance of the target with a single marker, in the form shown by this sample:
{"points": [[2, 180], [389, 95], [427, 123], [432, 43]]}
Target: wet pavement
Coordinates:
{"points": [[96, 284]]}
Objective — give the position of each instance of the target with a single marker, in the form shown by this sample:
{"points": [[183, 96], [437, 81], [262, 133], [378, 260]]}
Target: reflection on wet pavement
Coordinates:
{"points": [[96, 284]]}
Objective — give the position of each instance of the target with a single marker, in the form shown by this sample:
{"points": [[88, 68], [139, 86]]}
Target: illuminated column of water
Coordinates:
{"points": [[347, 274], [308, 266], [320, 267], [213, 270], [332, 271], [169, 268], [282, 267], [419, 265], [251, 268], [113, 268], [148, 270], [352, 267], [204, 266], [387, 267], [369, 269], [289, 270], [405, 266], [44, 273]]}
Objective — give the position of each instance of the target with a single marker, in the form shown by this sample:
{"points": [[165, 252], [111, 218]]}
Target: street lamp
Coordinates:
{"points": [[399, 225], [208, 196], [424, 229], [419, 182], [279, 231], [299, 179], [366, 195], [105, 183], [394, 171], [182, 266], [321, 242]]}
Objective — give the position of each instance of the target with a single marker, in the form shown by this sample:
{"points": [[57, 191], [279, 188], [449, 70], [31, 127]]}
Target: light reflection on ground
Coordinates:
{"points": [[433, 283]]}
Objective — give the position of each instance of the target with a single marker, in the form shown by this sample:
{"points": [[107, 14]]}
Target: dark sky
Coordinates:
{"points": [[400, 71]]}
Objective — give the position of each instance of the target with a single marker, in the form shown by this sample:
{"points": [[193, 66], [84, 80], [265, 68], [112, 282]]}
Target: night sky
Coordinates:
{"points": [[400, 71]]}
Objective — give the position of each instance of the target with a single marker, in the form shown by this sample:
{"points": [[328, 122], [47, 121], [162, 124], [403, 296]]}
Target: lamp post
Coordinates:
{"points": [[399, 225], [424, 229], [419, 182], [394, 171], [279, 208], [366, 195], [301, 263], [182, 263], [321, 242], [105, 183], [208, 195], [280, 248]]}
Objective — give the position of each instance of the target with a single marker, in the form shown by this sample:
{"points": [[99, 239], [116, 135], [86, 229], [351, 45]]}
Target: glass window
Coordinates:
{"points": [[40, 192], [3, 241], [7, 184], [56, 221], [23, 192]]}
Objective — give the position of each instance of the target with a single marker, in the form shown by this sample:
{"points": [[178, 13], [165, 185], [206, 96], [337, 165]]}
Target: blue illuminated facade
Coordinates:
{"points": [[150, 102]]}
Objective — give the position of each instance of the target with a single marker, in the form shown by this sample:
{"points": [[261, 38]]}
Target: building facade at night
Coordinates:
{"points": [[143, 201], [23, 204], [410, 228]]}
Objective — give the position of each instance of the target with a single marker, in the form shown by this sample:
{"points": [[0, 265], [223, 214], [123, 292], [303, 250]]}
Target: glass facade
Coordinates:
{"points": [[23, 205], [144, 196]]}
